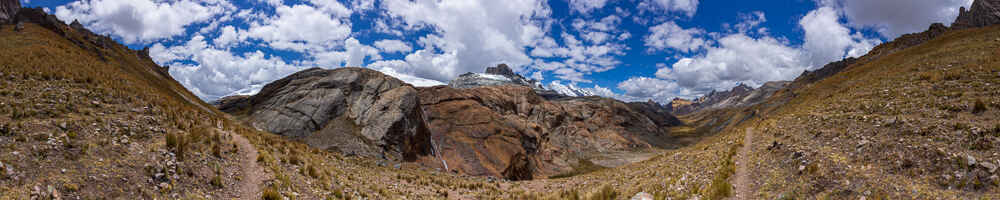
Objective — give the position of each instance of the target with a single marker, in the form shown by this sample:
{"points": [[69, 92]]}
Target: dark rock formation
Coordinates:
{"points": [[77, 25], [352, 110], [484, 131], [983, 13], [38, 16], [520, 168], [8, 11], [502, 70], [232, 104], [827, 70]]}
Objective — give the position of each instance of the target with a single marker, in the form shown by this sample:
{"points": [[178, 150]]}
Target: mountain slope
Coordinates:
{"points": [[82, 117], [917, 123]]}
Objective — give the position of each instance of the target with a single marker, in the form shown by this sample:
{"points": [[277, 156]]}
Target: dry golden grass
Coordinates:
{"points": [[898, 127]]}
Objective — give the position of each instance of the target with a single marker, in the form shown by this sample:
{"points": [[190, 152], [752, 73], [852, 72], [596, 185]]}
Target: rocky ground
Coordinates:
{"points": [[920, 123]]}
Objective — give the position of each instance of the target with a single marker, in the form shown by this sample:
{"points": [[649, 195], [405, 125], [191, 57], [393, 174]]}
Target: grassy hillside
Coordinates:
{"points": [[92, 121], [904, 126]]}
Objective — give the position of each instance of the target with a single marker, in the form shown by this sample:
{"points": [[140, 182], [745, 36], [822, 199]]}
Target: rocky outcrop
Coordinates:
{"points": [[38, 16], [352, 110], [513, 132], [8, 11], [827, 70], [982, 13]]}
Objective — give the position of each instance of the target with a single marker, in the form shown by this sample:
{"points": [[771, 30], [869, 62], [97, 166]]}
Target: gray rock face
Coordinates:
{"points": [[8, 10], [983, 13], [352, 110]]}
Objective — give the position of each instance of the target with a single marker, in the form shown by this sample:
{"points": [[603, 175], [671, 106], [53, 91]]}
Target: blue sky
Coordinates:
{"points": [[633, 50]]}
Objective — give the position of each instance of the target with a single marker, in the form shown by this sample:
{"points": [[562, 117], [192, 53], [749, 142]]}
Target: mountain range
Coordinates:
{"points": [[84, 117]]}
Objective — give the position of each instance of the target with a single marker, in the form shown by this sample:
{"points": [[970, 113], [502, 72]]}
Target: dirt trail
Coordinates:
{"points": [[742, 183], [253, 174]]}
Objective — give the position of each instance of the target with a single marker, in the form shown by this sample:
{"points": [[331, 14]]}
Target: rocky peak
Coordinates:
{"points": [[983, 13], [8, 10], [77, 25], [741, 88], [499, 75], [503, 70]]}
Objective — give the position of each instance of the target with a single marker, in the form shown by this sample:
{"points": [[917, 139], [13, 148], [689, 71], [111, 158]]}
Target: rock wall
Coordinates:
{"points": [[983, 13], [352, 110], [8, 10], [510, 131]]}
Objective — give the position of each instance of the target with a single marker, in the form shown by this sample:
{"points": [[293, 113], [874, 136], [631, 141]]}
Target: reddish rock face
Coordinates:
{"points": [[511, 132]]}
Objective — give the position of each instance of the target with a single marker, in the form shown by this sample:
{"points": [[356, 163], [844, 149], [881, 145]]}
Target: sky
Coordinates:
{"points": [[632, 50]]}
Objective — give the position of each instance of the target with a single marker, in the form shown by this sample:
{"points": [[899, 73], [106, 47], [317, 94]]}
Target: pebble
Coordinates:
{"points": [[642, 196], [972, 160], [989, 166]]}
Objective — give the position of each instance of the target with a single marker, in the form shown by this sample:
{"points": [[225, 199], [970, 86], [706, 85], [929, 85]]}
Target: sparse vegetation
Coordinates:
{"points": [[271, 194], [582, 167], [979, 106], [605, 193]]}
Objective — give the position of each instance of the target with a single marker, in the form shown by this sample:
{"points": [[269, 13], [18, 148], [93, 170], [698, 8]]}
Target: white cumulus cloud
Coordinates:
{"points": [[393, 46], [142, 21]]}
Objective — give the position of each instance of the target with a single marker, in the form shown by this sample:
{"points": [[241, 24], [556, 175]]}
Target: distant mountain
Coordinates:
{"points": [[499, 75], [503, 75], [740, 96], [570, 90]]}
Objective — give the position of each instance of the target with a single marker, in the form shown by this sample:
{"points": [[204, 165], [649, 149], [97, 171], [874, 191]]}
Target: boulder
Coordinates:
{"points": [[982, 13], [8, 10], [353, 110], [642, 196]]}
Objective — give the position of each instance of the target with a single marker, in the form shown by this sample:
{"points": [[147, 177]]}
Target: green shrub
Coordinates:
{"points": [[177, 143], [171, 140], [606, 193], [996, 130], [217, 181], [979, 106], [5, 130], [271, 194], [217, 150], [312, 171], [570, 194]]}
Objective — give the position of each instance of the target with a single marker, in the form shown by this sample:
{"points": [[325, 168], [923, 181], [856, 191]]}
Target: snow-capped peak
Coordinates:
{"points": [[569, 89]]}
